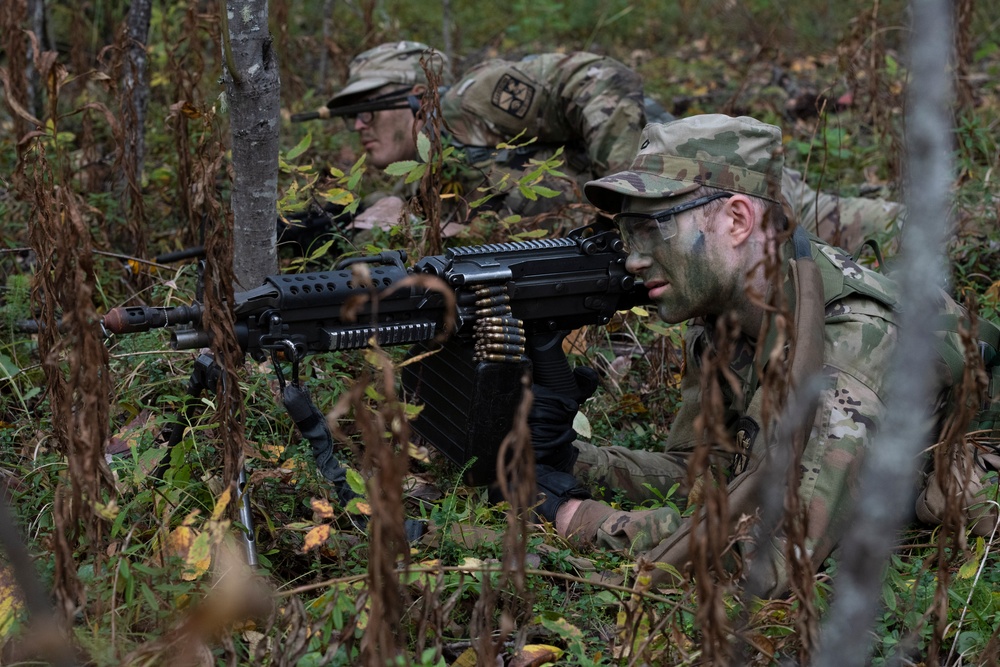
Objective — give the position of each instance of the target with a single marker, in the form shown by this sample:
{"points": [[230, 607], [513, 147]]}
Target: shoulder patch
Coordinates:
{"points": [[513, 96]]}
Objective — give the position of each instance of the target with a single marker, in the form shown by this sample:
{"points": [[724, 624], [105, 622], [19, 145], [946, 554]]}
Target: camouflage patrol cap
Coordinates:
{"points": [[395, 62], [737, 154]]}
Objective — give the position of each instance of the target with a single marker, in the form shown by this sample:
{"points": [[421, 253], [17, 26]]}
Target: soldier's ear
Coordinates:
{"points": [[741, 217]]}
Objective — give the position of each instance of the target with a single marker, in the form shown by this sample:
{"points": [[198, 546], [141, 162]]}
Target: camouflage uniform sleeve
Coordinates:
{"points": [[641, 474], [860, 336], [597, 99], [841, 221]]}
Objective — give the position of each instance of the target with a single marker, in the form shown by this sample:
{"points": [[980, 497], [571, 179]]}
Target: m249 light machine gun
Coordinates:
{"points": [[494, 299]]}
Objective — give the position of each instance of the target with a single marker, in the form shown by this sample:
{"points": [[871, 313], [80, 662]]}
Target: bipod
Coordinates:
{"points": [[206, 377]]}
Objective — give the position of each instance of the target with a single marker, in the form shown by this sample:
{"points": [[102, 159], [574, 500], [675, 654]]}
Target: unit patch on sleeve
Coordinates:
{"points": [[513, 96]]}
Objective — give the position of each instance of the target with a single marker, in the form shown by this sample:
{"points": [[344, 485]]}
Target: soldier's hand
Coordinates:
{"points": [[554, 489], [384, 214]]}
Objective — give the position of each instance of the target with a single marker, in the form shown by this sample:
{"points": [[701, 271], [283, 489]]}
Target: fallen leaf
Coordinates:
{"points": [[535, 655], [322, 508], [315, 537]]}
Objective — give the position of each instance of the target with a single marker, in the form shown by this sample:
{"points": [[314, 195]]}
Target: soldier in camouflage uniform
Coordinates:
{"points": [[692, 210], [591, 106], [588, 105]]}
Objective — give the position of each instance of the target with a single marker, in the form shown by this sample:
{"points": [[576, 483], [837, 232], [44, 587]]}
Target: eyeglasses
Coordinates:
{"points": [[640, 230], [396, 99]]}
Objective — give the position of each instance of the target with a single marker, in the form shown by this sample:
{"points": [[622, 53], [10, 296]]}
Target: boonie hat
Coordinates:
{"points": [[737, 154], [396, 62]]}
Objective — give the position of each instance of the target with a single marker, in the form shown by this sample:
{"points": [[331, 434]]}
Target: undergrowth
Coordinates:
{"points": [[163, 579]]}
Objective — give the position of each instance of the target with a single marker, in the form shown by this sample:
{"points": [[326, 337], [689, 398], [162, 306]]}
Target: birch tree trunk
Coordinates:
{"points": [[250, 73], [133, 102], [888, 479]]}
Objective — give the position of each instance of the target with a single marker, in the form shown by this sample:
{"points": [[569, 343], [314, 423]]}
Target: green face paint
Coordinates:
{"points": [[686, 277]]}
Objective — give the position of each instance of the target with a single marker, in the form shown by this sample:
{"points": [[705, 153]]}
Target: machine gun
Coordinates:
{"points": [[496, 298]]}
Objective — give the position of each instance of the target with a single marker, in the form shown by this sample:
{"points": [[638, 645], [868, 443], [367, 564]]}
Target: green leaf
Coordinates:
{"points": [[424, 147], [891, 66], [548, 193], [8, 368], [402, 167], [889, 596], [528, 193], [300, 148], [479, 202], [356, 482], [417, 173]]}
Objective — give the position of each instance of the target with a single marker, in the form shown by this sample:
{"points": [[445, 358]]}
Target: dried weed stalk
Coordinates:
{"points": [[953, 458], [219, 319], [435, 609], [75, 363], [129, 67], [791, 423], [516, 480], [710, 526], [13, 16], [964, 54], [429, 200], [384, 435], [197, 164]]}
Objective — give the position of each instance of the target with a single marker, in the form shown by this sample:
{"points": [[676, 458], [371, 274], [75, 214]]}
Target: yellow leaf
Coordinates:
{"points": [[109, 511], [199, 557], [221, 504], [471, 563], [968, 571], [315, 537], [640, 311], [10, 601], [467, 659], [179, 540], [419, 453], [322, 508]]}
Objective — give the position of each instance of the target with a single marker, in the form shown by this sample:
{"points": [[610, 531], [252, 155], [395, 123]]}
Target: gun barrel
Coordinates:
{"points": [[135, 319], [190, 339]]}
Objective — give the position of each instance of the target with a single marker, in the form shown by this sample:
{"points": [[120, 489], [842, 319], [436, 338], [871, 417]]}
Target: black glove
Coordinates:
{"points": [[554, 489], [551, 420]]}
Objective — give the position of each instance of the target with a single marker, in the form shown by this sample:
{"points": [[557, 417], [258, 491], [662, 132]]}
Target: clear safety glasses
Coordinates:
{"points": [[641, 230], [396, 99]]}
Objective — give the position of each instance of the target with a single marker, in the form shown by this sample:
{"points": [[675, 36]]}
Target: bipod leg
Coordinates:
{"points": [[206, 376]]}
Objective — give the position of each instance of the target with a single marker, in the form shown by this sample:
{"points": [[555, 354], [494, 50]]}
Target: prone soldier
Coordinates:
{"points": [[591, 106], [699, 208]]}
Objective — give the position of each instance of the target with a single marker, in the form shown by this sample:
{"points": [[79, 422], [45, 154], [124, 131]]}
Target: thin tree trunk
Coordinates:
{"points": [[888, 479], [324, 83], [134, 101], [446, 24], [253, 85], [36, 17]]}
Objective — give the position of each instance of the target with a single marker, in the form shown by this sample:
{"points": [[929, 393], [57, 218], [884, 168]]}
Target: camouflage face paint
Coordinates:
{"points": [[685, 274], [389, 137]]}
